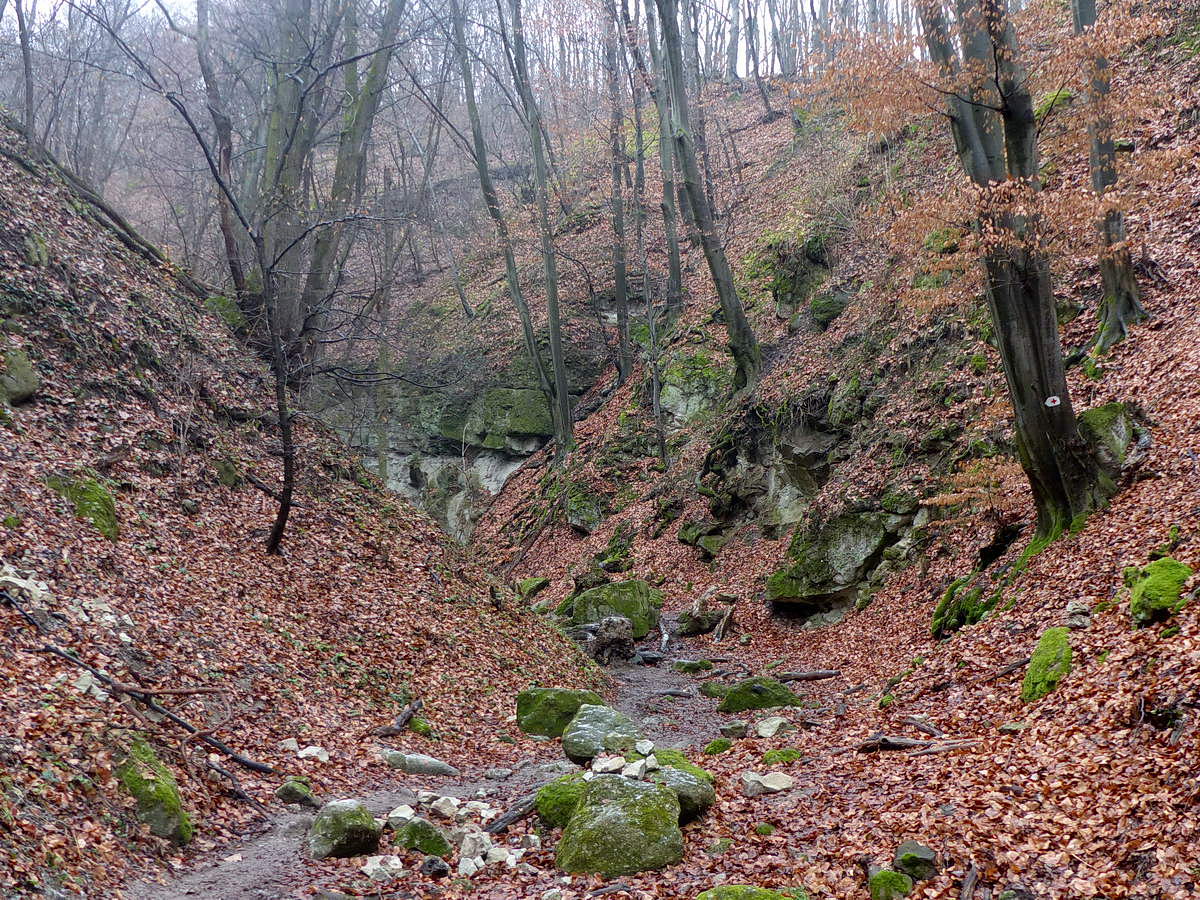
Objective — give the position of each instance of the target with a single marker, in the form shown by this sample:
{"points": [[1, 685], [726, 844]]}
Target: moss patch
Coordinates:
{"points": [[720, 745], [91, 498], [151, 784], [960, 606], [782, 757], [556, 801], [421, 834], [548, 711], [749, 892], [757, 693], [889, 885], [634, 599], [621, 827], [1050, 663], [1157, 592]]}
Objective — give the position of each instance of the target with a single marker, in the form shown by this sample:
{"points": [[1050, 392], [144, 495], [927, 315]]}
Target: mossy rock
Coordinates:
{"points": [[830, 558], [585, 511], [597, 729], [421, 726], [227, 310], [633, 599], [826, 306], [297, 789], [916, 861], [888, 885], [91, 498], [1109, 429], [695, 793], [19, 381], [757, 693], [421, 834], [621, 827], [529, 588], [846, 403], [343, 828], [715, 689], [782, 756], [943, 240], [693, 385], [1157, 591], [1054, 100], [1050, 663], [692, 666], [548, 711], [961, 605], [703, 623], [719, 745], [555, 802], [515, 420], [228, 473], [749, 892], [159, 805]]}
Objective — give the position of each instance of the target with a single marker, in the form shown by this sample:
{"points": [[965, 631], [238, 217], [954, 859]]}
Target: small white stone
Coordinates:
{"points": [[526, 869], [605, 764], [644, 747], [427, 796], [475, 843], [514, 857], [531, 841], [290, 744], [445, 806], [772, 726], [552, 894], [497, 855], [652, 763], [635, 769], [589, 775], [320, 754], [467, 867], [755, 785], [400, 815], [382, 868]]}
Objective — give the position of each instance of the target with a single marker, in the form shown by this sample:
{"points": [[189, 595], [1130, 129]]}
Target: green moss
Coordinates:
{"points": [[1108, 428], [827, 305], [720, 745], [19, 380], [942, 240], [764, 829], [228, 473], [1050, 663], [418, 725], [227, 310], [959, 608], [633, 599], [889, 885], [1052, 101], [978, 363], [152, 785], [782, 757], [676, 760], [421, 834], [548, 711], [529, 588], [556, 801], [930, 281], [296, 789], [91, 498], [620, 827], [692, 666], [757, 693], [1157, 592], [749, 892], [886, 700], [714, 689]]}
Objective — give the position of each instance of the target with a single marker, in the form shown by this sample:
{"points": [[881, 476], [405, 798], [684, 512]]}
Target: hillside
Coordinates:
{"points": [[856, 525], [147, 419]]}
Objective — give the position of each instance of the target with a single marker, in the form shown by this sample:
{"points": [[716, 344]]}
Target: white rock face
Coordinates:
{"points": [[400, 815], [475, 843], [772, 726], [467, 866], [382, 868], [755, 785], [320, 754]]}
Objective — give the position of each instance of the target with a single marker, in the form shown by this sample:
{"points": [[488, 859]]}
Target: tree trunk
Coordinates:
{"points": [[742, 343], [617, 153], [28, 110], [1121, 304]]}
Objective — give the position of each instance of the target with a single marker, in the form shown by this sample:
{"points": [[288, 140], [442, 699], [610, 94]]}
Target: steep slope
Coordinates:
{"points": [[1087, 792], [136, 461]]}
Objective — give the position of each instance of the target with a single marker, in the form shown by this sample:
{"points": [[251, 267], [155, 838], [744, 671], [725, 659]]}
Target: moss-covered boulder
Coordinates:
{"points": [[827, 305], [829, 559], [90, 496], [757, 693], [693, 623], [693, 385], [695, 794], [528, 588], [962, 604], [1050, 663], [633, 599], [555, 802], [585, 510], [717, 745], [159, 805], [749, 892], [1157, 590], [620, 827], [715, 689], [676, 760], [692, 666], [1109, 429], [916, 861], [598, 729], [297, 789], [19, 381], [515, 420], [421, 834], [547, 711], [343, 828], [846, 403], [888, 885]]}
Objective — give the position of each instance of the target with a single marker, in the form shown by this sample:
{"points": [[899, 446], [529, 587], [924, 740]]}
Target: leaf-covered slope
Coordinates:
{"points": [[158, 419]]}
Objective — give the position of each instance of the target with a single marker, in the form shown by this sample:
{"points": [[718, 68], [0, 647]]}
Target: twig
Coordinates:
{"points": [[815, 675], [881, 741], [944, 748], [923, 726], [1004, 670], [520, 810]]}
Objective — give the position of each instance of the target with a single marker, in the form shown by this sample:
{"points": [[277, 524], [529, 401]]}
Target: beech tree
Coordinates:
{"points": [[991, 116]]}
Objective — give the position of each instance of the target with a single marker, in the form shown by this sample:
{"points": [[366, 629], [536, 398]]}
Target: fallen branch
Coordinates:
{"points": [[402, 720], [923, 726], [1005, 670], [881, 741], [944, 748], [815, 675], [968, 884], [520, 810]]}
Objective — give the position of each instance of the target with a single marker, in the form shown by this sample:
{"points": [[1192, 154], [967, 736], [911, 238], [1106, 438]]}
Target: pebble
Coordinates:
{"points": [[382, 868]]}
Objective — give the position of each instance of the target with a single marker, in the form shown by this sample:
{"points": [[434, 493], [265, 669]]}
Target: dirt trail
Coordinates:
{"points": [[271, 863]]}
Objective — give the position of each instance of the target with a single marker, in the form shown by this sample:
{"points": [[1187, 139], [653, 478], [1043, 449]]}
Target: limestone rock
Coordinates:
{"points": [[19, 381], [757, 693], [755, 785], [621, 827], [382, 868], [434, 867], [916, 861], [421, 834], [343, 828], [635, 600], [695, 794], [417, 763], [613, 640], [555, 802], [548, 710], [296, 789], [771, 726], [596, 729], [159, 805]]}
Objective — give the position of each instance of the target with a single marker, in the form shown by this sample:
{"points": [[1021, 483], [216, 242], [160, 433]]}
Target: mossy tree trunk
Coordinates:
{"points": [[617, 198], [995, 132], [1121, 304], [742, 342]]}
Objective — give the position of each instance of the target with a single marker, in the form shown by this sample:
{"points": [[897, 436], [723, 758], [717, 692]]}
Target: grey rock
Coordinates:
{"points": [[613, 640], [916, 861], [343, 828], [434, 867], [735, 729], [596, 729], [417, 763]]}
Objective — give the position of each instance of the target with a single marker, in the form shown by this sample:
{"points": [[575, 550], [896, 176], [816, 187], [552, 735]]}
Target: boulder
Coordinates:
{"points": [[596, 729], [613, 640], [1157, 590], [702, 622], [715, 689], [421, 834], [757, 693], [343, 828], [296, 789], [555, 802], [528, 588], [735, 729], [755, 785], [916, 861], [888, 885], [692, 666], [434, 867], [417, 763], [695, 794], [621, 827], [19, 381], [547, 711], [159, 805], [771, 726], [1109, 429], [382, 868], [635, 600], [830, 559], [1050, 663]]}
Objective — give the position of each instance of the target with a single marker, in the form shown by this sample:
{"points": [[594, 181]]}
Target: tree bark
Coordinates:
{"points": [[28, 111], [617, 199]]}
